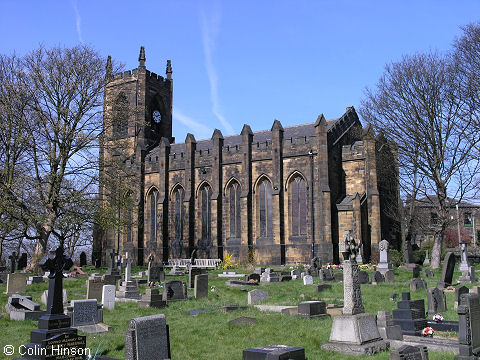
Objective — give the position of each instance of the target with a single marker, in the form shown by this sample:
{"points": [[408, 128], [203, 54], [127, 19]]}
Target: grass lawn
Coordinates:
{"points": [[208, 336]]}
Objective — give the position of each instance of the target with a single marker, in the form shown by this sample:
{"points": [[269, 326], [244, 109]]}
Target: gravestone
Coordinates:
{"points": [[308, 280], [447, 270], [377, 277], [256, 296], [152, 298], [253, 277], [243, 320], [437, 302], [409, 352], [389, 276], [22, 308], [384, 264], [13, 262], [274, 352], [295, 273], [35, 280], [312, 309], [108, 297], [427, 273], [415, 271], [354, 332], [363, 277], [259, 270], [200, 286], [150, 262], [147, 338], [322, 287], [410, 315], [468, 276], [174, 290], [326, 275], [464, 266], [459, 291], [22, 261], [426, 262], [16, 283], [387, 328], [83, 259], [315, 266], [128, 289], [44, 297], [192, 272], [157, 273], [54, 328], [269, 276], [417, 284], [112, 275], [468, 327], [95, 288], [85, 312]]}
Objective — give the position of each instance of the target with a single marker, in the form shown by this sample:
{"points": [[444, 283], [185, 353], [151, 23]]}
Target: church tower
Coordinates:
{"points": [[137, 115]]}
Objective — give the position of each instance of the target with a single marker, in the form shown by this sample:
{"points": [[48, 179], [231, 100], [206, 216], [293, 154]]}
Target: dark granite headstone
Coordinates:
{"points": [[147, 338], [447, 270], [410, 315], [83, 259], [326, 275], [22, 261], [274, 352], [469, 327], [253, 276], [191, 276], [152, 298], [408, 352], [322, 287], [436, 301], [363, 277], [84, 312], [312, 309], [417, 284], [200, 289], [459, 291], [157, 273], [174, 290], [377, 277]]}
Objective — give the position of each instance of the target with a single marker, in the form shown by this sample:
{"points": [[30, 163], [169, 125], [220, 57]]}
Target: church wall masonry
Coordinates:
{"points": [[277, 196]]}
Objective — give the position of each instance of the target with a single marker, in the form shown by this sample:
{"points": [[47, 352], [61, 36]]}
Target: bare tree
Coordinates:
{"points": [[62, 124], [418, 104]]}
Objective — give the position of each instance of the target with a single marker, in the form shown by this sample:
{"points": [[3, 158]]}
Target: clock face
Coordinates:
{"points": [[157, 117]]}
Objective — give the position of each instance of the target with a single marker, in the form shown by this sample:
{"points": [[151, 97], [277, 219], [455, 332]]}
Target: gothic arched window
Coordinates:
{"points": [[298, 209], [120, 116], [206, 208], [153, 215], [265, 208], [178, 196], [235, 213]]}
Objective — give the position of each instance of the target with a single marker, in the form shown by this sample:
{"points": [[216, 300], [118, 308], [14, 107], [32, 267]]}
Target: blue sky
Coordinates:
{"points": [[237, 62]]}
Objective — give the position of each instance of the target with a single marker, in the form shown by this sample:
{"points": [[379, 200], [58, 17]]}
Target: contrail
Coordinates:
{"points": [[200, 130], [78, 21], [209, 30]]}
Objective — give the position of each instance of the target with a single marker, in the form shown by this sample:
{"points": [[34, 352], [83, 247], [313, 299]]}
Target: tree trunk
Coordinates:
{"points": [[437, 250]]}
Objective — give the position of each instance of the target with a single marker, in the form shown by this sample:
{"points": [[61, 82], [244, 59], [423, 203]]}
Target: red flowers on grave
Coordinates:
{"points": [[428, 331]]}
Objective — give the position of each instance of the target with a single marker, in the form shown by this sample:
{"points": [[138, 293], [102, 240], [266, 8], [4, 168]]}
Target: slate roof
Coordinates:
{"points": [[294, 132], [432, 201]]}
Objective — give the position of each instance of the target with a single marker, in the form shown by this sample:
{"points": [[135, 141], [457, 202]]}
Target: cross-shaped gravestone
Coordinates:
{"points": [[13, 259], [351, 285], [55, 262], [113, 256], [128, 268], [150, 261]]}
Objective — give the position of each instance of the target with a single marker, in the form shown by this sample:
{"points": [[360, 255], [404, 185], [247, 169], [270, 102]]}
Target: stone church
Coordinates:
{"points": [[275, 196]]}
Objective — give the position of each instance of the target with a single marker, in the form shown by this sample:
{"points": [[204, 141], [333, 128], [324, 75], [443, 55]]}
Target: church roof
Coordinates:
{"points": [[294, 132], [290, 132]]}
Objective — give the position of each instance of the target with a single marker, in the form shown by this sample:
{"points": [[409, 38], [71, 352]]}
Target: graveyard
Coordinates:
{"points": [[225, 314]]}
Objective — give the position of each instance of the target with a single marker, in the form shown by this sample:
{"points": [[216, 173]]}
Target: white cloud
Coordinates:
{"points": [[199, 130], [209, 30], [78, 21]]}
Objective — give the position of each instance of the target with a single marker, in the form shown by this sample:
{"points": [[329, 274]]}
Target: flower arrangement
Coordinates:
{"points": [[438, 318], [428, 331]]}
